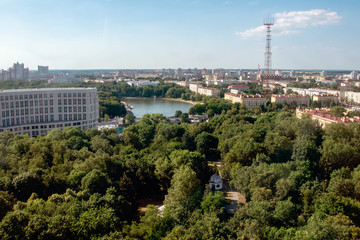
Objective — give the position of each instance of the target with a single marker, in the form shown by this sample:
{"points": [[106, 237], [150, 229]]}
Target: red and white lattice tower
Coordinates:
{"points": [[268, 22]]}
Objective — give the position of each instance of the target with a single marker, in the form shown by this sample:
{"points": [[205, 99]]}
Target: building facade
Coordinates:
{"points": [[250, 101], [37, 111], [324, 118], [352, 97], [194, 87], [290, 99], [209, 91], [324, 98]]}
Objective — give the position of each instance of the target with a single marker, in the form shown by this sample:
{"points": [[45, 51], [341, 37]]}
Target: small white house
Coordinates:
{"points": [[216, 182]]}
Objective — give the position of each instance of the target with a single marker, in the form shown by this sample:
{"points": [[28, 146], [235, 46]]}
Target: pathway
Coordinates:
{"points": [[234, 197]]}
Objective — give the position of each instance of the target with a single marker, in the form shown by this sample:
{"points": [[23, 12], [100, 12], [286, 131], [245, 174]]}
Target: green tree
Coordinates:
{"points": [[337, 111], [184, 194], [95, 182]]}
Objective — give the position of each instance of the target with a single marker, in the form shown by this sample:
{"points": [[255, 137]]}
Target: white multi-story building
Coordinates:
{"points": [[194, 87], [250, 101], [37, 111], [352, 97], [314, 91], [209, 91], [135, 83]]}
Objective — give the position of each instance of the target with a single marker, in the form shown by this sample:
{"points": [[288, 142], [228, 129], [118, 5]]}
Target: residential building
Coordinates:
{"points": [[37, 111], [209, 91], [346, 86], [272, 86], [4, 75], [16, 72], [43, 70], [250, 101], [324, 117], [352, 97], [64, 78], [143, 83], [220, 82], [290, 99], [194, 87], [326, 98]]}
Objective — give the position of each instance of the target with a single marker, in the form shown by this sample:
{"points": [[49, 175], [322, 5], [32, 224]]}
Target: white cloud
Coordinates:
{"points": [[292, 22]]}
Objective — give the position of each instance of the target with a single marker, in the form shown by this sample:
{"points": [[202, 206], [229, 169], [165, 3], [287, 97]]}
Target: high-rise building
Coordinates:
{"points": [[16, 72], [19, 72], [43, 70], [354, 75], [37, 111]]}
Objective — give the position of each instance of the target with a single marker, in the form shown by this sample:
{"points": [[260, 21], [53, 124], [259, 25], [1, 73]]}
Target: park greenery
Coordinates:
{"points": [[300, 181]]}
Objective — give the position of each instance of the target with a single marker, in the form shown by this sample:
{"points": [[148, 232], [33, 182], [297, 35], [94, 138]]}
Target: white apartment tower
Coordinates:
{"points": [[37, 111]]}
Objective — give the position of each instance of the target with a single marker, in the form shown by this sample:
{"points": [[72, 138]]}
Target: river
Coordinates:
{"points": [[166, 107]]}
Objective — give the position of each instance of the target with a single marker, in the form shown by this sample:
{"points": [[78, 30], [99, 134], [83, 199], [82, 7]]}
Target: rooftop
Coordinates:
{"points": [[42, 89]]}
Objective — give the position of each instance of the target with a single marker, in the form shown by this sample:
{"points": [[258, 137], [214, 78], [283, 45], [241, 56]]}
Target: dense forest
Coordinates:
{"points": [[300, 181]]}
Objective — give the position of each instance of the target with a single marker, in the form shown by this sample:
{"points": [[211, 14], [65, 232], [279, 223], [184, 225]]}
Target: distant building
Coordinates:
{"points": [[292, 74], [272, 86], [19, 72], [143, 83], [65, 78], [183, 83], [314, 91], [214, 92], [16, 72], [324, 117], [220, 82], [194, 87], [37, 111], [290, 99], [323, 98], [352, 97], [354, 75], [4, 75], [43, 70], [146, 75], [250, 101]]}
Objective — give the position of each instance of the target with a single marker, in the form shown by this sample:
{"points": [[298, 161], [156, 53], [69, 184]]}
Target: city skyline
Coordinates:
{"points": [[172, 34]]}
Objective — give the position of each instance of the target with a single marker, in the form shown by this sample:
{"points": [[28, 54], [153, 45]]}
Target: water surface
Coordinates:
{"points": [[166, 107]]}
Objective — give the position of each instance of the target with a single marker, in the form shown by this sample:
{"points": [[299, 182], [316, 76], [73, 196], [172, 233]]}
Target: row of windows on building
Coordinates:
{"points": [[41, 95], [36, 103], [43, 129], [7, 122], [31, 111]]}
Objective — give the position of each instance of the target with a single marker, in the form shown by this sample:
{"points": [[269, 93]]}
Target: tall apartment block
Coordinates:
{"points": [[37, 111], [43, 70], [16, 72]]}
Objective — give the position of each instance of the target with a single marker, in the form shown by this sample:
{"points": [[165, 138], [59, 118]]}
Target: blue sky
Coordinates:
{"points": [[121, 34]]}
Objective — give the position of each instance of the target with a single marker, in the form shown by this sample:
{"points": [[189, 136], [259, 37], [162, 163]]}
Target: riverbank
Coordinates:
{"points": [[181, 100]]}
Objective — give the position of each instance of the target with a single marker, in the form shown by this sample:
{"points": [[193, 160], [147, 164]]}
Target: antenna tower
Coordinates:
{"points": [[268, 22]]}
